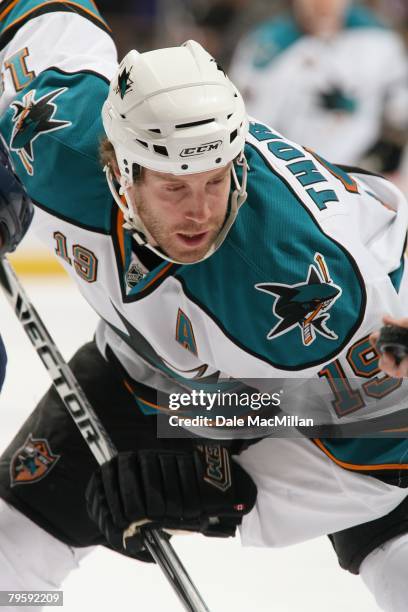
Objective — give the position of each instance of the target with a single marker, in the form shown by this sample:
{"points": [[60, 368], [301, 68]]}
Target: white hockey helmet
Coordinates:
{"points": [[174, 110]]}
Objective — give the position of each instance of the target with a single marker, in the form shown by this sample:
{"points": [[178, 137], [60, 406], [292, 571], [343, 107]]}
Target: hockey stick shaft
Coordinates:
{"points": [[90, 427]]}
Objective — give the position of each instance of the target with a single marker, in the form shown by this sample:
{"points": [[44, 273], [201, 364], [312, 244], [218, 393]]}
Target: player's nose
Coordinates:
{"points": [[198, 208]]}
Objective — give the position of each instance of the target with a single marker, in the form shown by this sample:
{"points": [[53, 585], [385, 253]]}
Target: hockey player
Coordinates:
{"points": [[330, 75], [226, 251], [16, 212]]}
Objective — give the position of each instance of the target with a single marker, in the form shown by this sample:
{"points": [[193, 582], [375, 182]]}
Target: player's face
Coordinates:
{"points": [[183, 214], [320, 17]]}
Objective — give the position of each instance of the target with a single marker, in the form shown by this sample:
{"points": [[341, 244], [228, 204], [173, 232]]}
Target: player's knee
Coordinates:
{"points": [[31, 558], [385, 572]]}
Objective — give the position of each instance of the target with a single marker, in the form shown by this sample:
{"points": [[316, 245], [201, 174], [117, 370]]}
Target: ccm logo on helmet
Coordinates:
{"points": [[203, 148]]}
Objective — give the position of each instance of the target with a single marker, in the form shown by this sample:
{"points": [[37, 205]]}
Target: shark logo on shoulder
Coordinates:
{"points": [[31, 119], [304, 305]]}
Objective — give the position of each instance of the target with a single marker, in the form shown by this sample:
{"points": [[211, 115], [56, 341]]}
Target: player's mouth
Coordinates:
{"points": [[192, 240]]}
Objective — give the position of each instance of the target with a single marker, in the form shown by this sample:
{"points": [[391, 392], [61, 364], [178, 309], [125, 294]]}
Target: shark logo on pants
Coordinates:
{"points": [[32, 461]]}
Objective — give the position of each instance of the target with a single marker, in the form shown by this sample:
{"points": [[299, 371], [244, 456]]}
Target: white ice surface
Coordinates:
{"points": [[301, 578]]}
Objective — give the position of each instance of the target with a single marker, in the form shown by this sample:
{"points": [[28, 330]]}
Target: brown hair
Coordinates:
{"points": [[107, 157]]}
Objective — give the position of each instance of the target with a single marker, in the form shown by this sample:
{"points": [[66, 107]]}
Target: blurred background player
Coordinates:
{"points": [[16, 212], [332, 76]]}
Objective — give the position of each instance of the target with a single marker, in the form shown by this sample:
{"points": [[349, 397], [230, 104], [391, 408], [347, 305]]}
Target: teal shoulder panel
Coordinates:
{"points": [[14, 13], [53, 129], [279, 287], [361, 17], [273, 38]]}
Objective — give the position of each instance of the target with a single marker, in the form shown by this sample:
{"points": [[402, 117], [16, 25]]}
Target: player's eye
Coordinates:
{"points": [[174, 187], [217, 181]]}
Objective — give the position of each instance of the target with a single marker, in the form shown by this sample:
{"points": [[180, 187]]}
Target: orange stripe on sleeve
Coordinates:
{"points": [[8, 9], [143, 401], [127, 385], [155, 406], [355, 467]]}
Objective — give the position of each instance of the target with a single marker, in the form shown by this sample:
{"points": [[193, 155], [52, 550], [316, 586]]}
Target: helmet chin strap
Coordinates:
{"points": [[134, 222]]}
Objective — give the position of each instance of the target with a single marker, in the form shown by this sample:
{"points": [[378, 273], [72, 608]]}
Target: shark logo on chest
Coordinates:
{"points": [[304, 305]]}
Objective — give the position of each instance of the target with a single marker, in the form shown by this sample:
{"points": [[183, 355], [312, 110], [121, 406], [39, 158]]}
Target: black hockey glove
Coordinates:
{"points": [[201, 490]]}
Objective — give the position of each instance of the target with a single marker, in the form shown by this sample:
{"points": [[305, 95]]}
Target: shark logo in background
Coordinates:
{"points": [[337, 100], [124, 83], [31, 119], [304, 305]]}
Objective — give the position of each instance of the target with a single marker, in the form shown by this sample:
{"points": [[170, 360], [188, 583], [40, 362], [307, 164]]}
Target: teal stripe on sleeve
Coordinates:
{"points": [[24, 7], [24, 10], [368, 451]]}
